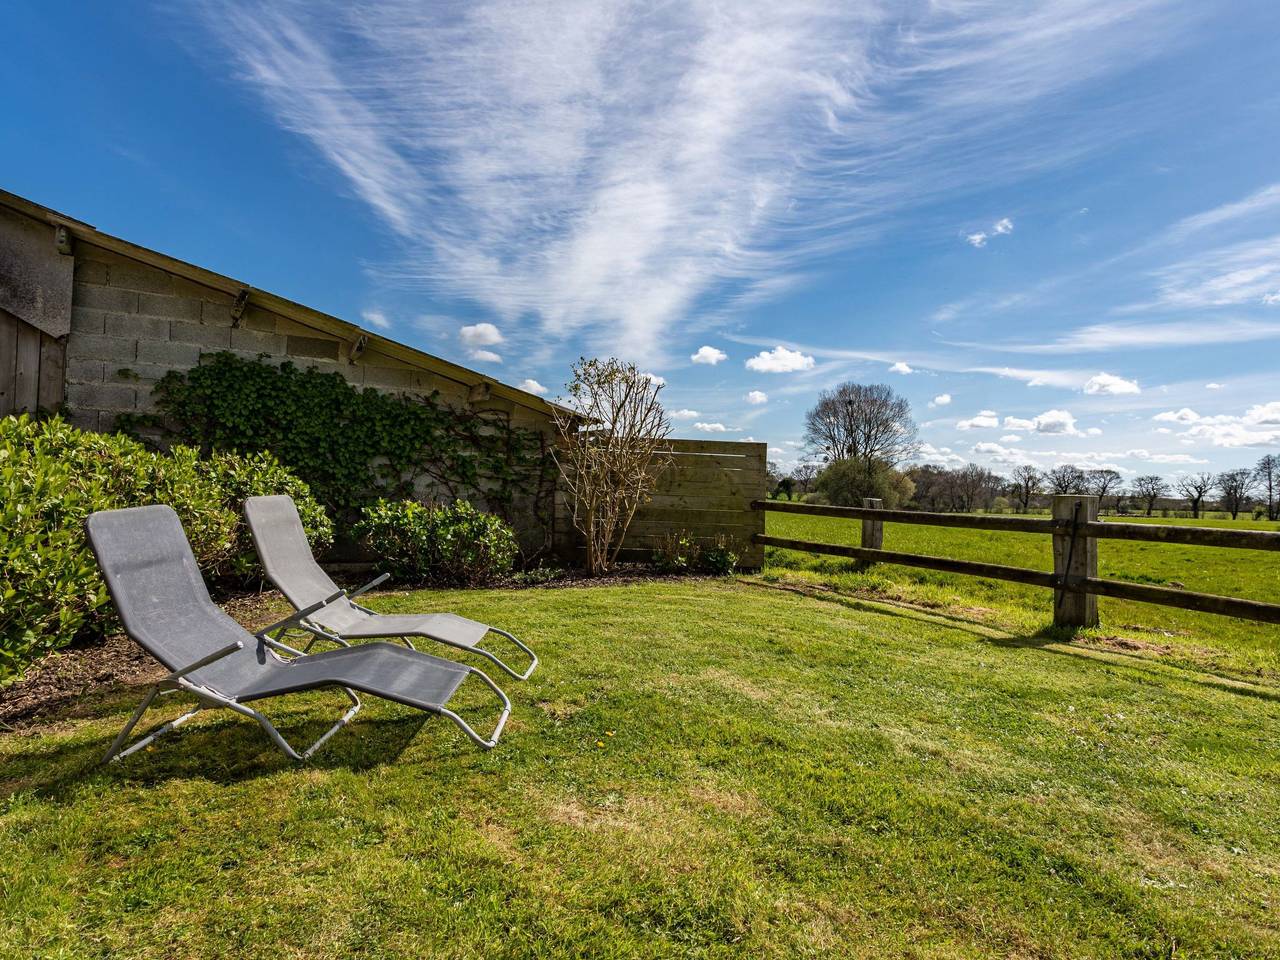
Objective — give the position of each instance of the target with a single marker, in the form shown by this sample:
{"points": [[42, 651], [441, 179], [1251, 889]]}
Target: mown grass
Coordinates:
{"points": [[1228, 645], [699, 768]]}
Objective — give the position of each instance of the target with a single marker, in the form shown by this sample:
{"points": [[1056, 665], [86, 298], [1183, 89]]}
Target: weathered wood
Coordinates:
{"points": [[1186, 599], [1193, 536], [993, 571], [8, 361], [872, 530], [26, 375], [965, 520], [53, 360], [1075, 560]]}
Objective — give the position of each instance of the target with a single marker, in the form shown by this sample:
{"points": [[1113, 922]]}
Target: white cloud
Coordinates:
{"points": [[1051, 421], [654, 378], [928, 453], [986, 419], [757, 397], [1017, 423], [978, 239], [684, 414], [376, 318], [1093, 432], [1104, 337], [533, 386], [1240, 273], [900, 367], [708, 355], [1011, 438], [711, 427], [480, 335], [1111, 385], [1213, 386], [1002, 226], [486, 356], [780, 360], [941, 400], [1185, 415], [600, 167]]}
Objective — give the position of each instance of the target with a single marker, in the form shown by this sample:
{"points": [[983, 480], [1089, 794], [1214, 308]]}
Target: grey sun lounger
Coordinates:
{"points": [[165, 606], [286, 556]]}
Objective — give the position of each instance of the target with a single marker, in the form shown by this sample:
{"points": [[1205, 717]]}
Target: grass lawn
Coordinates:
{"points": [[699, 768], [1225, 645]]}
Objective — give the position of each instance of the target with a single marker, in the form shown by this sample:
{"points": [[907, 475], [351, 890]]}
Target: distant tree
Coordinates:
{"points": [[1104, 483], [1235, 487], [1267, 473], [1065, 479], [869, 424], [933, 487], [803, 475], [1024, 483], [1194, 487], [845, 484], [975, 488], [772, 477], [786, 486], [1149, 488]]}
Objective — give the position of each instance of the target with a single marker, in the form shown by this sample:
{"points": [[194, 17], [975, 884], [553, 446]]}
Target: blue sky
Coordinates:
{"points": [[1055, 227]]}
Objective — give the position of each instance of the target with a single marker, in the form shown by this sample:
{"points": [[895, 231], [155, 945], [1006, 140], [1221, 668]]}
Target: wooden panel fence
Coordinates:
{"points": [[1075, 529], [706, 492], [31, 367]]}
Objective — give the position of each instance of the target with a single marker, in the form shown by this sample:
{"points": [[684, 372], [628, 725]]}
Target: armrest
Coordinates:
{"points": [[298, 616], [370, 585], [205, 661]]}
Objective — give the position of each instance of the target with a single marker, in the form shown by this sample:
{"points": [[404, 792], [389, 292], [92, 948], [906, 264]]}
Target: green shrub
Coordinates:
{"points": [[439, 544], [846, 482], [681, 553], [52, 476], [240, 476]]}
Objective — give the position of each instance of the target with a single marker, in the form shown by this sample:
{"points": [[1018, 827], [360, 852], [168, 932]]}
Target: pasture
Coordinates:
{"points": [[773, 766]]}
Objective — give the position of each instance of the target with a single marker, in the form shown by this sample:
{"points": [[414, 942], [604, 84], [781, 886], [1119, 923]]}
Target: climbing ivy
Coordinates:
{"points": [[353, 446]]}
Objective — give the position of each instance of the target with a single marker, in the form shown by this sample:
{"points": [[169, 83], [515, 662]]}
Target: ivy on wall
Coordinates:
{"points": [[353, 446]]}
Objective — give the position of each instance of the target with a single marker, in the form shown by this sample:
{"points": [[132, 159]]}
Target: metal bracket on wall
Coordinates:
{"points": [[238, 307], [62, 240], [357, 348]]}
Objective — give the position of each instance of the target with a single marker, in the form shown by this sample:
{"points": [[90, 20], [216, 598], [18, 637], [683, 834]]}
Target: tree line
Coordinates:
{"points": [[858, 437]]}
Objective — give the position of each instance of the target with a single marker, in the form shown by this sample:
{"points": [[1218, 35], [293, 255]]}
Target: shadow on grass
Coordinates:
{"points": [[216, 745]]}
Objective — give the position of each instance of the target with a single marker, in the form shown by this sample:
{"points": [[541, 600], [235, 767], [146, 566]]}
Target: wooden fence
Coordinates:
{"points": [[31, 367], [1075, 529], [706, 492]]}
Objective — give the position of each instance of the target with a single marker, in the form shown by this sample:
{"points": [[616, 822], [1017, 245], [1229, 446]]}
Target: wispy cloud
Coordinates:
{"points": [[1103, 337], [603, 167]]}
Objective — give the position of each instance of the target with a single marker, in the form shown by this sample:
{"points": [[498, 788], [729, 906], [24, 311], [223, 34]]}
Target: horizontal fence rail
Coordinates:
{"points": [[1075, 530]]}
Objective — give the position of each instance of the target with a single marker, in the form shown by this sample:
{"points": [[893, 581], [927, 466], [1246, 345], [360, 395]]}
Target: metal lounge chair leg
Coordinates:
{"points": [[115, 753], [475, 738], [532, 656], [270, 728]]}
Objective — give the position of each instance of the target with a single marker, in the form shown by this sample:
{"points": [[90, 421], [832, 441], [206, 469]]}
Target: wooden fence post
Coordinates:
{"points": [[1075, 557], [873, 530]]}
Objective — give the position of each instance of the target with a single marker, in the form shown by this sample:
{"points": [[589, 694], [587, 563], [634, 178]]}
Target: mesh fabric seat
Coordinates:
{"points": [[165, 607], [282, 547]]}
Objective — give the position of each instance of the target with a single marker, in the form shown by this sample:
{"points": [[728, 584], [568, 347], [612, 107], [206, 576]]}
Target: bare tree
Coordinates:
{"points": [[1149, 488], [773, 475], [975, 487], [1025, 482], [867, 423], [1194, 487], [1065, 479], [1103, 483], [804, 474], [610, 452], [1235, 487], [1267, 473]]}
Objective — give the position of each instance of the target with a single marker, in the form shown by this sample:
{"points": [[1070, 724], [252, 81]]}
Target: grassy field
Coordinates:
{"points": [[700, 768], [1222, 644]]}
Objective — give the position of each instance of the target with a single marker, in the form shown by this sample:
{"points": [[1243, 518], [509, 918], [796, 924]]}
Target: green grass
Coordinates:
{"points": [[699, 768], [1227, 645]]}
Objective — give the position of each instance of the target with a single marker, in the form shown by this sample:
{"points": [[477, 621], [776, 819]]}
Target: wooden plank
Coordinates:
{"points": [[8, 360], [53, 359], [1194, 536], [1186, 599], [994, 571], [966, 520], [697, 501], [749, 448], [26, 374]]}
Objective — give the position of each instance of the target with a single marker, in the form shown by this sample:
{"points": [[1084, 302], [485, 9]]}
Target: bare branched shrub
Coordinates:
{"points": [[611, 451]]}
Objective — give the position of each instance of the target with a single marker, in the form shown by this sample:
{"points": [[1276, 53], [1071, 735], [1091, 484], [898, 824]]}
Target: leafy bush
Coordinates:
{"points": [[846, 482], [439, 544], [52, 476], [681, 553], [239, 477]]}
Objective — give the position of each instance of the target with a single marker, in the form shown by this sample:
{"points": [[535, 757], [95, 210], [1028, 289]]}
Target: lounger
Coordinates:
{"points": [[162, 600], [286, 556]]}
